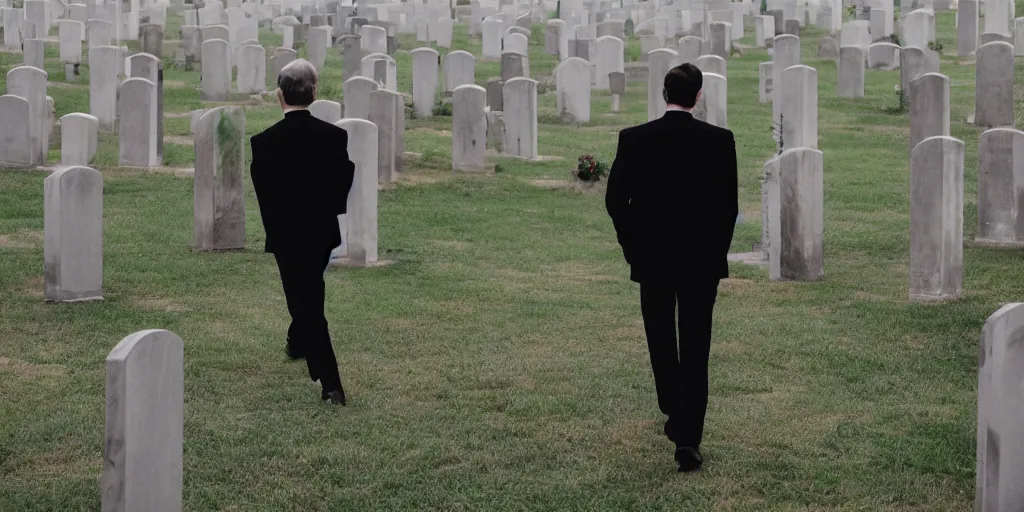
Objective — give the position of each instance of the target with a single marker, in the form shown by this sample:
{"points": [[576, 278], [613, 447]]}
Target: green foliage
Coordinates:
{"points": [[935, 46], [589, 168]]}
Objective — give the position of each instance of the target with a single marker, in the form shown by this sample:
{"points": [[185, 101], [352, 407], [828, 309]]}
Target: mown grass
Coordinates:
{"points": [[500, 363]]}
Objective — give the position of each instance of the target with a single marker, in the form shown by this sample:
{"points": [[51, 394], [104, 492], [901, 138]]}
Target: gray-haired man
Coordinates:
{"points": [[302, 176]]}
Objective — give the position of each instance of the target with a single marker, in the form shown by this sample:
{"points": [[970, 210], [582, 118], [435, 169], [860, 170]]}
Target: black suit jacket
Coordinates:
{"points": [[672, 196], [302, 176]]}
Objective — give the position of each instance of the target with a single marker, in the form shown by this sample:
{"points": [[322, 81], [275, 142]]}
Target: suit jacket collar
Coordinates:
{"points": [[678, 114], [297, 114]]}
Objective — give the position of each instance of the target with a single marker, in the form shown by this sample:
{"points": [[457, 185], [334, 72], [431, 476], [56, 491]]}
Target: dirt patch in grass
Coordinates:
{"points": [[432, 131], [23, 239], [550, 184], [33, 286], [160, 304], [30, 371], [179, 139], [66, 85]]}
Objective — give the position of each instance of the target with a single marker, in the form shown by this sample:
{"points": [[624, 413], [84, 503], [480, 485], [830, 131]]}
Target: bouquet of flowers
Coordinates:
{"points": [[589, 168]]}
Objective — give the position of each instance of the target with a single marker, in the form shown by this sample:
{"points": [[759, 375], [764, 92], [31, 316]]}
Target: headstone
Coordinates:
{"points": [[609, 58], [35, 53], [70, 35], [659, 63], [351, 57], [936, 219], [764, 30], [142, 455], [12, 19], [795, 196], [572, 87], [103, 85], [512, 65], [851, 72], [791, 26], [966, 27], [648, 44], [15, 138], [786, 54], [519, 98], [914, 62], [387, 111], [999, 457], [721, 39], [553, 36], [713, 102], [737, 20], [216, 70], [469, 127], [137, 132], [993, 90], [382, 68], [988, 37], [356, 94], [282, 57], [711, 64], [495, 94], [855, 33], [318, 40], [73, 235], [779, 18], [881, 24], [612, 28], [151, 39], [800, 107], [884, 56], [828, 48], [216, 32], [444, 32], [516, 43], [373, 39], [78, 139], [1018, 37], [100, 33], [252, 69], [219, 195], [326, 110], [764, 79], [424, 81], [917, 28], [30, 84], [998, 16], [459, 69], [1000, 190], [362, 199], [144, 65], [689, 49], [929, 107]]}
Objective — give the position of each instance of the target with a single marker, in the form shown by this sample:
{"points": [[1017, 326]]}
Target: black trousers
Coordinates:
{"points": [[680, 364], [302, 275]]}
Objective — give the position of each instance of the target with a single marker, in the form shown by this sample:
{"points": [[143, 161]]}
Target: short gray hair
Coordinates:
{"points": [[297, 82]]}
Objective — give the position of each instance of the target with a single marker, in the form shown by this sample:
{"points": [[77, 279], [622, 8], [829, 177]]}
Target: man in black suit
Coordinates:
{"points": [[302, 176], [672, 196]]}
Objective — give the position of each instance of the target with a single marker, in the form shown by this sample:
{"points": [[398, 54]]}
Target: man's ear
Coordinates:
{"points": [[664, 94], [314, 91], [697, 99]]}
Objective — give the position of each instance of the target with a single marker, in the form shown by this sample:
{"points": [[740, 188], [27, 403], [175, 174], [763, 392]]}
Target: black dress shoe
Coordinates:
{"points": [[337, 397], [688, 459]]}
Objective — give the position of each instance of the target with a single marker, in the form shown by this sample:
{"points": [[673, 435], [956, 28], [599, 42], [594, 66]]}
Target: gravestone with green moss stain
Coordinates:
{"points": [[219, 195]]}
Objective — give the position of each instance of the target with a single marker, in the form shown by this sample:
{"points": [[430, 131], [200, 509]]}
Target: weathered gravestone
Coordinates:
{"points": [[144, 65], [319, 40], [282, 57], [219, 194], [362, 199], [929, 107], [711, 64], [30, 84], [936, 219], [572, 88], [660, 61], [967, 27], [828, 48], [70, 36], [326, 110], [15, 137], [103, 85], [34, 53], [73, 235], [469, 127], [786, 54], [373, 39], [721, 39], [1000, 457], [519, 99], [609, 58], [137, 135], [77, 139], [993, 90], [617, 86], [142, 452], [800, 107], [151, 39], [424, 80], [216, 70], [252, 69], [791, 26], [764, 30], [495, 88], [512, 65], [459, 68], [387, 112], [351, 57], [915, 62], [356, 94], [884, 56], [764, 79], [851, 72], [712, 105], [382, 69], [689, 49], [795, 211], [1001, 188]]}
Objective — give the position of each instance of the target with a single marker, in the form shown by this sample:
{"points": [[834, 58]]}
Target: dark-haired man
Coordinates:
{"points": [[302, 176], [673, 200]]}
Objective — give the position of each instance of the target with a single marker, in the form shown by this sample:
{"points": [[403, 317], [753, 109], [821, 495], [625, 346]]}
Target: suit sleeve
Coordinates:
{"points": [[729, 196], [260, 183], [343, 177], [617, 199]]}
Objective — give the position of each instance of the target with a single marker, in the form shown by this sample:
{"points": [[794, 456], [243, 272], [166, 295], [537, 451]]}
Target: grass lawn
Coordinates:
{"points": [[500, 362]]}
